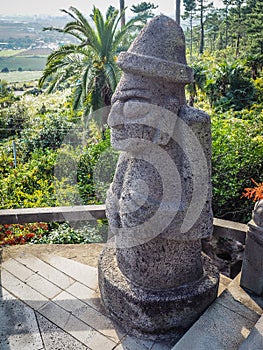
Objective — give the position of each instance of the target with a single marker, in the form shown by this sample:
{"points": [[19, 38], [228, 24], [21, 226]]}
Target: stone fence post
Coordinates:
{"points": [[252, 268]]}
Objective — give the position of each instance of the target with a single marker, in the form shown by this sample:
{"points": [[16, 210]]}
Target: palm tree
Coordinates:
{"points": [[89, 66]]}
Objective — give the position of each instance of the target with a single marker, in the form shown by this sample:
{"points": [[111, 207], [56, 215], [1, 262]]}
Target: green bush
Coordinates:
{"points": [[13, 120], [96, 170], [48, 132], [30, 184], [66, 234], [229, 86], [237, 157]]}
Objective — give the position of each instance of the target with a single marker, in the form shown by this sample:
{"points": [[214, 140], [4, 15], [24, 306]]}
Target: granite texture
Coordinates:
{"points": [[252, 267], [167, 313], [159, 203]]}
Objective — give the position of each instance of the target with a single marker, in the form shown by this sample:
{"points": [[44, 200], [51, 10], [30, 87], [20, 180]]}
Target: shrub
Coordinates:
{"points": [[21, 234], [230, 86], [96, 169], [13, 120], [237, 156], [48, 132], [30, 184], [66, 234]]}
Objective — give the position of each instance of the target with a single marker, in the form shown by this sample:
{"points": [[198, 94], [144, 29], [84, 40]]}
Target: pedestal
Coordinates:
{"points": [[165, 313]]}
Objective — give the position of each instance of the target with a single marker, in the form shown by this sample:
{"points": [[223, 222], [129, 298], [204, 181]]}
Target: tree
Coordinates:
{"points": [[229, 86], [201, 9], [227, 4], [214, 29], [189, 11], [144, 10], [89, 66], [238, 25], [254, 20], [177, 11]]}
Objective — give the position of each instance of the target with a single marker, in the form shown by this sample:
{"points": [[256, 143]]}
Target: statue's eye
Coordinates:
{"points": [[136, 108]]}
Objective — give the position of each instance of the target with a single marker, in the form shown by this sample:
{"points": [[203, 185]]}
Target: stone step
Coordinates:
{"points": [[225, 324], [255, 339]]}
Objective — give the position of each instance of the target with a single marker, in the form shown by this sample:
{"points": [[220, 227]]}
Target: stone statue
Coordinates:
{"points": [[153, 278], [252, 267]]}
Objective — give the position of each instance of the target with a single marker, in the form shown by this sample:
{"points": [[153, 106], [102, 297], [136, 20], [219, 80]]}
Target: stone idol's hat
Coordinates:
{"points": [[159, 52]]}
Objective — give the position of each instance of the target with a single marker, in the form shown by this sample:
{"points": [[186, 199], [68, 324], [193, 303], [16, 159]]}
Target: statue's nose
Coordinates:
{"points": [[134, 109], [116, 116]]}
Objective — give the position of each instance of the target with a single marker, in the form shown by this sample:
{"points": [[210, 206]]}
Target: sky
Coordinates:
{"points": [[51, 7]]}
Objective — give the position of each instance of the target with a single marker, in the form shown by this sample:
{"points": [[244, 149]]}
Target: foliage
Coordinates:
{"points": [[14, 234], [237, 155], [48, 133], [238, 25], [55, 233], [30, 184], [96, 170], [12, 120], [230, 87], [66, 234], [6, 96], [144, 10], [89, 66]]}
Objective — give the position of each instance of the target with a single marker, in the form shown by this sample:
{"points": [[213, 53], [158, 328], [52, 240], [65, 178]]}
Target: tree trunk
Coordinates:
{"points": [[226, 38], [202, 29], [177, 11], [191, 38], [122, 5]]}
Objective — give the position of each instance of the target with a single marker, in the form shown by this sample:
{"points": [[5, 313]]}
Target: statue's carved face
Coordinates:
{"points": [[140, 112]]}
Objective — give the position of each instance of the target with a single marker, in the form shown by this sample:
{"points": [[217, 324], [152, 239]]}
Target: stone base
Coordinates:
{"points": [[143, 312], [252, 268]]}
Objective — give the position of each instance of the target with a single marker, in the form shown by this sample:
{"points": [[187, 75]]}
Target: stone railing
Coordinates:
{"points": [[222, 228], [52, 214]]}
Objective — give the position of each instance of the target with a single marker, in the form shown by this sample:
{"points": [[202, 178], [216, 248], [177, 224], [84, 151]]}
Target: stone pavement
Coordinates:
{"points": [[49, 300]]}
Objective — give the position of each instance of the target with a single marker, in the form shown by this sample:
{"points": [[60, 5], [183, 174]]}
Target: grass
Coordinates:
{"points": [[26, 63], [20, 77], [10, 53]]}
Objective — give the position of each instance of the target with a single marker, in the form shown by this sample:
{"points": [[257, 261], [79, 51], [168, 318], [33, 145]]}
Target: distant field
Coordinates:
{"points": [[9, 53], [33, 63], [36, 52], [25, 52], [19, 77]]}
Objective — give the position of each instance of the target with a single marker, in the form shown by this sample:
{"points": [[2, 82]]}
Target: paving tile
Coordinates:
{"points": [[22, 291], [43, 286], [31, 278], [87, 314], [55, 338], [162, 346], [87, 295], [17, 269], [19, 328], [45, 270], [213, 327], [133, 343], [76, 328], [85, 274]]}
